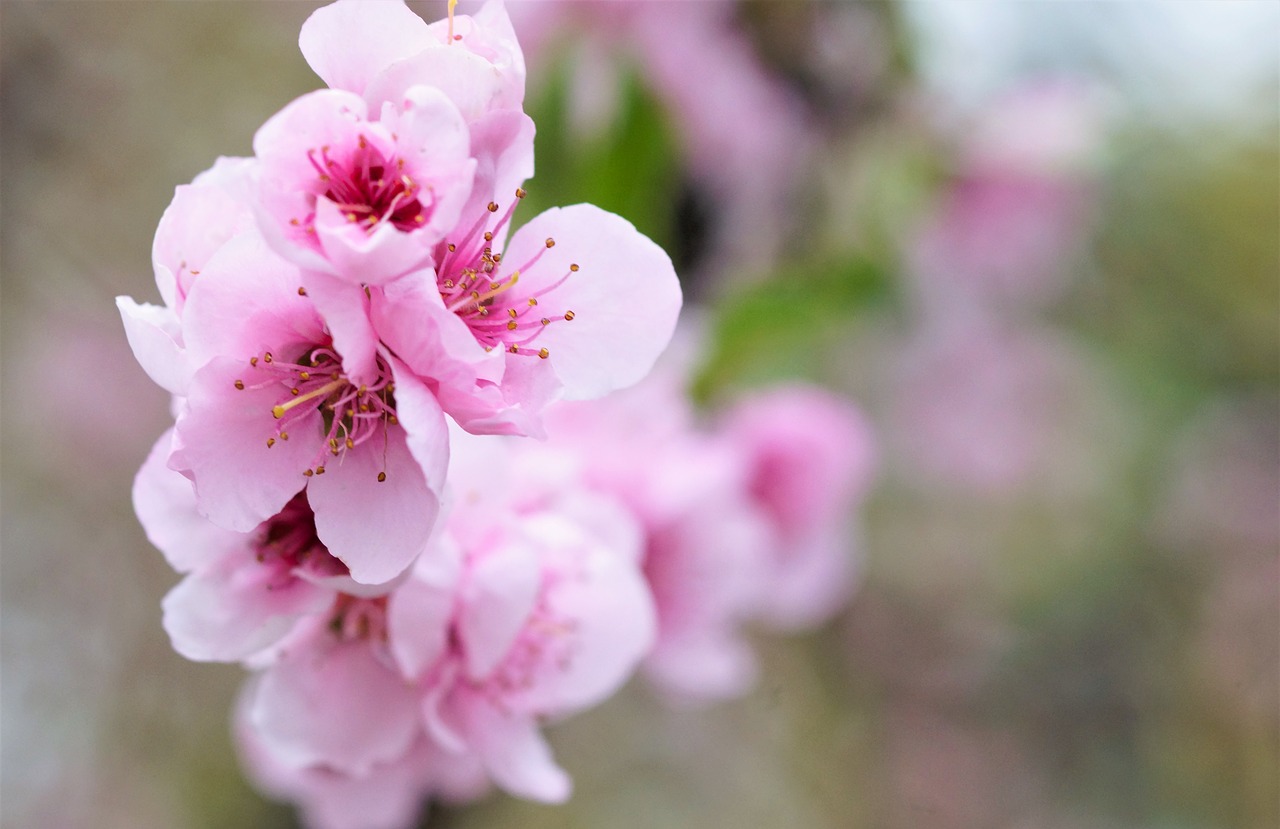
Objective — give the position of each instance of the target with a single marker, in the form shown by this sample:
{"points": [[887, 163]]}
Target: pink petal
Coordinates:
{"points": [[625, 296], [361, 257], [469, 81], [426, 432], [155, 335], [237, 607], [333, 703], [247, 302], [513, 751], [502, 144], [348, 43], [166, 506], [345, 309], [239, 480], [497, 599], [613, 625], [420, 611], [377, 528]]}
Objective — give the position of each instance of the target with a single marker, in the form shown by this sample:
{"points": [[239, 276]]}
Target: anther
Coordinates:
{"points": [[240, 385], [271, 442], [304, 375], [543, 353], [295, 392], [533, 301], [511, 312], [551, 242], [568, 315], [382, 476], [351, 444], [546, 321], [520, 193], [452, 247], [573, 268], [308, 472], [488, 236], [514, 349], [302, 291], [266, 358], [493, 207], [253, 361], [319, 470], [511, 326], [284, 435]]}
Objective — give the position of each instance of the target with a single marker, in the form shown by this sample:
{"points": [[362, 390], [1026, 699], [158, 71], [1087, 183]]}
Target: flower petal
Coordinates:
{"points": [[240, 481], [497, 599], [348, 43], [625, 297], [512, 750], [237, 607], [333, 703], [377, 528], [166, 506], [155, 335]]}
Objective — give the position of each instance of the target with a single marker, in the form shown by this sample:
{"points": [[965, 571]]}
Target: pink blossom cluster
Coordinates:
{"points": [[358, 357]]}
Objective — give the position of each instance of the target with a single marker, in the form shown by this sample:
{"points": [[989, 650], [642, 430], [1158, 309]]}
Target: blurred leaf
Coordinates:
{"points": [[630, 168], [782, 328]]}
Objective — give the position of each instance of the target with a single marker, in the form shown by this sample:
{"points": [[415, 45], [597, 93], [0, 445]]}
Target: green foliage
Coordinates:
{"points": [[781, 328]]}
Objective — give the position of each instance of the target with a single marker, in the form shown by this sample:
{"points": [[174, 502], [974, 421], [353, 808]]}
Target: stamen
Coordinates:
{"points": [[279, 411]]}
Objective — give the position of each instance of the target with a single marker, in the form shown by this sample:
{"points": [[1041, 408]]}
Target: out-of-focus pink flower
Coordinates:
{"points": [[389, 796], [987, 407], [545, 617], [273, 408], [1007, 229], [811, 456], [577, 305]]}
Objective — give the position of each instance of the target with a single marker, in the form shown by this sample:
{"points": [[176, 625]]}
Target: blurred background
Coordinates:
{"points": [[1038, 242]]}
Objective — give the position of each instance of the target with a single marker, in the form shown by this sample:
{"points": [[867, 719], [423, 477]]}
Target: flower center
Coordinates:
{"points": [[369, 188], [356, 618], [472, 285], [352, 414], [288, 539]]}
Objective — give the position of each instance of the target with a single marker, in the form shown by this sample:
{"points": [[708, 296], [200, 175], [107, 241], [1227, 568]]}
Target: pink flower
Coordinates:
{"points": [[243, 592], [389, 796], [811, 457], [329, 694], [380, 49], [547, 614], [273, 408], [705, 542], [360, 195], [577, 305], [203, 216]]}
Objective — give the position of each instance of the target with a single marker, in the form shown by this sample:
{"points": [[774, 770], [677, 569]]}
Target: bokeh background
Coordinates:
{"points": [[1038, 242]]}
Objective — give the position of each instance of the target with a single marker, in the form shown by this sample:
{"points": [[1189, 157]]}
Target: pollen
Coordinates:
{"points": [[568, 315]]}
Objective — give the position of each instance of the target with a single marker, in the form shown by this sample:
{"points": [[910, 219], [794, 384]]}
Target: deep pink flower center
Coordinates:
{"points": [[369, 187], [352, 414], [288, 540], [473, 285]]}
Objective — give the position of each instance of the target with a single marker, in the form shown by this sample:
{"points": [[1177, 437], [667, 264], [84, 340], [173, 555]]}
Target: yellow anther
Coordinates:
{"points": [[488, 236], [546, 321], [304, 375], [511, 312], [319, 470], [295, 392], [308, 472], [520, 193], [382, 476], [511, 326], [533, 301], [543, 353], [551, 242], [568, 315], [514, 349], [493, 207], [266, 358], [271, 442], [253, 361], [351, 444], [302, 291], [573, 268], [284, 435], [240, 385]]}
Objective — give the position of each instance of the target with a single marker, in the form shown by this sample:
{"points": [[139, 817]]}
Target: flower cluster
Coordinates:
{"points": [[359, 349]]}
